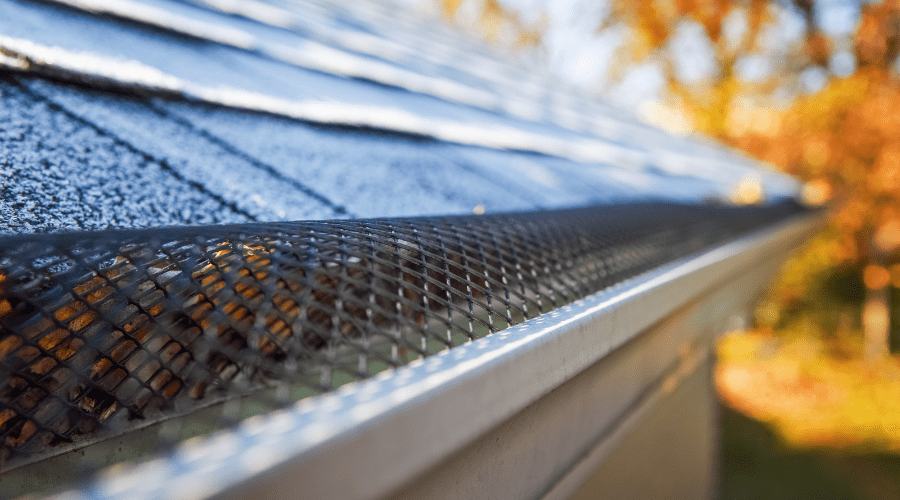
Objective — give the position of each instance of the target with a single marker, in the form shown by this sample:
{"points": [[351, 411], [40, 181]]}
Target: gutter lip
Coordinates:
{"points": [[355, 442]]}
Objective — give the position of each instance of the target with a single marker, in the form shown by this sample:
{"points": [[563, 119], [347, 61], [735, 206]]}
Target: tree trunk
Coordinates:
{"points": [[876, 322]]}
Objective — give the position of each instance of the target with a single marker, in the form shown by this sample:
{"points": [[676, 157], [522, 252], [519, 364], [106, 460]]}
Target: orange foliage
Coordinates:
{"points": [[493, 19], [878, 37], [846, 136], [812, 399], [876, 277]]}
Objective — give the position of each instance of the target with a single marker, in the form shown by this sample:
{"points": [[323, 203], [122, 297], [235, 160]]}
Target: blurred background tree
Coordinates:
{"points": [[809, 86]]}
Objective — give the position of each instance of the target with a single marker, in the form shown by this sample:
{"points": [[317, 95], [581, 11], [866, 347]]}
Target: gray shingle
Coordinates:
{"points": [[60, 173], [253, 190]]}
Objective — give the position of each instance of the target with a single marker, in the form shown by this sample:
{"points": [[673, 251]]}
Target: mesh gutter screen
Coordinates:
{"points": [[105, 331]]}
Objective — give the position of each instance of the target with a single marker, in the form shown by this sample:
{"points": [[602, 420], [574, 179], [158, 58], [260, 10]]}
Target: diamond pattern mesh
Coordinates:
{"points": [[102, 331]]}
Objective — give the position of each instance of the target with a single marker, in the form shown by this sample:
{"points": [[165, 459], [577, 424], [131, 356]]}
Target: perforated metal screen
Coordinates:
{"points": [[102, 331]]}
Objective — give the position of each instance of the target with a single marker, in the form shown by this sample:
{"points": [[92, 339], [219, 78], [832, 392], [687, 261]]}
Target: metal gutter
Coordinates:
{"points": [[369, 438]]}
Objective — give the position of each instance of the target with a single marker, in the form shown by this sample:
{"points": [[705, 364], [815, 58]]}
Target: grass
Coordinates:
{"points": [[807, 419], [757, 464]]}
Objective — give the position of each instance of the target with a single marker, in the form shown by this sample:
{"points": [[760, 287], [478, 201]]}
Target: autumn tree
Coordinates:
{"points": [[844, 138]]}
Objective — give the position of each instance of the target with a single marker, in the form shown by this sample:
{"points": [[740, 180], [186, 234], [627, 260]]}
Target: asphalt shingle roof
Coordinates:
{"points": [[163, 112]]}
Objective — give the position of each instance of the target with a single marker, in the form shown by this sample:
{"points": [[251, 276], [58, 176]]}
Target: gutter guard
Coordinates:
{"points": [[560, 257]]}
